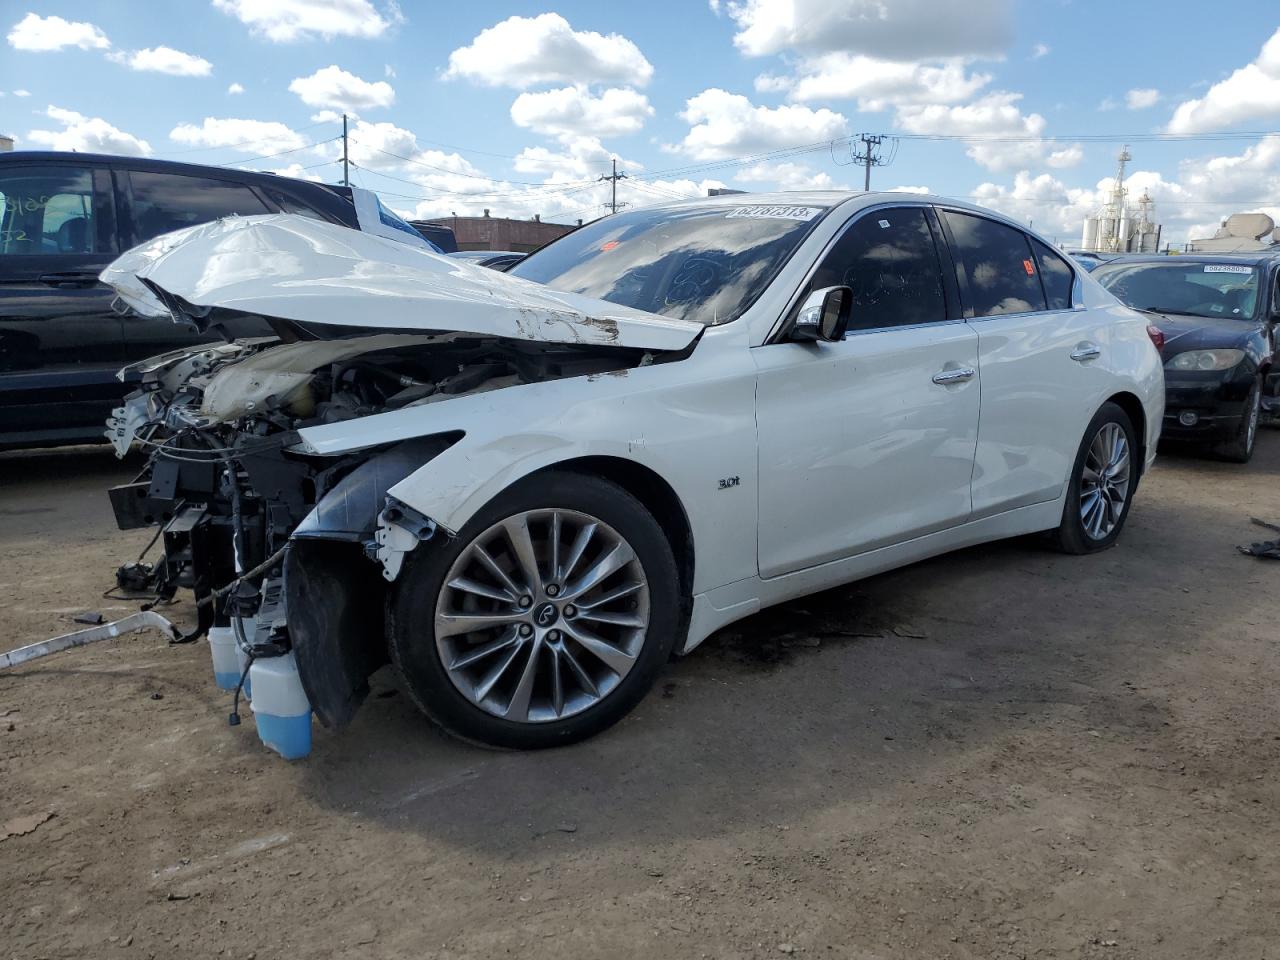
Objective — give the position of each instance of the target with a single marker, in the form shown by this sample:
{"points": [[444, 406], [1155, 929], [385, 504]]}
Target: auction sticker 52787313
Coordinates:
{"points": [[774, 213]]}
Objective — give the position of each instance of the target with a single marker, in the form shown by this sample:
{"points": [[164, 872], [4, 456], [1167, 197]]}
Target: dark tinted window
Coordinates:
{"points": [[1056, 274], [889, 260], [997, 262], [165, 201], [701, 263], [47, 210], [1191, 287]]}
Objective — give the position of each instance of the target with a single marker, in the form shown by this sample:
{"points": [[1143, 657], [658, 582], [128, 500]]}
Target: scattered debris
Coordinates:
{"points": [[21, 826], [89, 616], [177, 896], [1269, 549], [786, 948], [909, 632], [567, 826]]}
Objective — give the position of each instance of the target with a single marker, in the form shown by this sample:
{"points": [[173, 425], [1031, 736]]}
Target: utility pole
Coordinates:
{"points": [[613, 204], [870, 155], [346, 173]]}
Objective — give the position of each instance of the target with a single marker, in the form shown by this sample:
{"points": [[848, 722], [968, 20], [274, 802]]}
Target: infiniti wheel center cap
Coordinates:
{"points": [[545, 614]]}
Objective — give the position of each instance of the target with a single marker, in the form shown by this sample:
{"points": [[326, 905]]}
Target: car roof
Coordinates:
{"points": [[156, 165]]}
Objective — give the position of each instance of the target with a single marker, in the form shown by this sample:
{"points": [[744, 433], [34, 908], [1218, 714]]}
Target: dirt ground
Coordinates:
{"points": [[1003, 753]]}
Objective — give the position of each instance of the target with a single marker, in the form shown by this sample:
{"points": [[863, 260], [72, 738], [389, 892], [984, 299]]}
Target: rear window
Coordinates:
{"points": [[699, 263], [1191, 288], [48, 210], [163, 202]]}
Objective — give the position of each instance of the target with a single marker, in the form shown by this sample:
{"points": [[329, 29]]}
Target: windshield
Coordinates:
{"points": [[699, 263], [1218, 290]]}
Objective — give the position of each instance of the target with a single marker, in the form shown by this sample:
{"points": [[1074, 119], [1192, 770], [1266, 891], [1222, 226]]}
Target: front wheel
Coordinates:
{"points": [[1239, 449], [1102, 483], [544, 621]]}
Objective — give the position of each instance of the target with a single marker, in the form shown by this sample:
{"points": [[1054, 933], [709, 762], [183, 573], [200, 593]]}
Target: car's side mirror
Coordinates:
{"points": [[824, 315]]}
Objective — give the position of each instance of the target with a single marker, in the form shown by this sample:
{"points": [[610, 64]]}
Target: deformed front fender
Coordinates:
{"points": [[334, 593]]}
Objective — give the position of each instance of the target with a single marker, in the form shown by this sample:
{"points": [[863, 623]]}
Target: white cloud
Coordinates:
{"points": [[1040, 50], [22, 93], [235, 88], [901, 30], [574, 110], [284, 21], [919, 190], [1250, 93], [38, 33], [580, 158], [329, 116], [297, 171], [1108, 103], [388, 71], [248, 136], [1142, 98], [522, 52], [788, 175], [163, 60], [995, 115], [87, 135], [1205, 191], [878, 84], [337, 89], [725, 124]]}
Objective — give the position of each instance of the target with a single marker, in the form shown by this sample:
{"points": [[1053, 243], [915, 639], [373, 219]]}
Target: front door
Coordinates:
{"points": [[60, 342], [869, 441]]}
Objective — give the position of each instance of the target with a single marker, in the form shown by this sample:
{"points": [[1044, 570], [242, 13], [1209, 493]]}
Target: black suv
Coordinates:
{"points": [[63, 218]]}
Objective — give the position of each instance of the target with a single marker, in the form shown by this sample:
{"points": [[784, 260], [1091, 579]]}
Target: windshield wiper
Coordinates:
{"points": [[1172, 312]]}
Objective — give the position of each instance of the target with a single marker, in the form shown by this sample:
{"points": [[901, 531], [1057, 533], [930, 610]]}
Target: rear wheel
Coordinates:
{"points": [[545, 621], [1239, 449], [1102, 483]]}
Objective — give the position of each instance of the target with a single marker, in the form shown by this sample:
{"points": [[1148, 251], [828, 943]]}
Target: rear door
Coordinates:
{"points": [[157, 203], [1038, 355], [60, 342]]}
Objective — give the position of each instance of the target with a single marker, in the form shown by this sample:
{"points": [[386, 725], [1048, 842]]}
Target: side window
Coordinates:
{"points": [[1056, 274], [997, 262], [889, 259], [47, 210], [288, 204], [164, 201]]}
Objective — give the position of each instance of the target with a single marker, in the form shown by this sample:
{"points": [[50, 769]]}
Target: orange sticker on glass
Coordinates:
{"points": [[609, 245], [1030, 267]]}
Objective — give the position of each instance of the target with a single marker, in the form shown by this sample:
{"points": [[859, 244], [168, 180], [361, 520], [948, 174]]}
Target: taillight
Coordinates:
{"points": [[1156, 335]]}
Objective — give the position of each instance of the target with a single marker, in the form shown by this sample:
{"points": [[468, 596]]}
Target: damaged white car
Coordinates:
{"points": [[529, 490]]}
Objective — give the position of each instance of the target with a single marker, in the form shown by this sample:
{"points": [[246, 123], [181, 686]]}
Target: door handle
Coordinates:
{"points": [[69, 279], [1086, 352], [946, 378]]}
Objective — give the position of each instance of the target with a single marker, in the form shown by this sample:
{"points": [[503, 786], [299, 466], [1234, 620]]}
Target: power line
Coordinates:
{"points": [[613, 182]]}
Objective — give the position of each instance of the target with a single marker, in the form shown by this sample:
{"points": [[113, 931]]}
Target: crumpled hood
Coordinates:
{"points": [[297, 268]]}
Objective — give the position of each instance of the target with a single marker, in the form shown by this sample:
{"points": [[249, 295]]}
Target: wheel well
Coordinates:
{"points": [[1131, 405], [658, 498]]}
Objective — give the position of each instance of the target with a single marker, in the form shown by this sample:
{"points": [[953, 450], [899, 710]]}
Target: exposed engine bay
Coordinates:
{"points": [[232, 489]]}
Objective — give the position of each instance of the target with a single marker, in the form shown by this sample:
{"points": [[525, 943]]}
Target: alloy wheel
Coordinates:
{"points": [[1104, 481], [542, 615]]}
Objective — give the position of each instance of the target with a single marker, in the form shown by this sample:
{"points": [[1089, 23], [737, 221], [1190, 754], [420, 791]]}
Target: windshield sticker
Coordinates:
{"points": [[1225, 268], [1030, 267], [774, 213], [884, 224]]}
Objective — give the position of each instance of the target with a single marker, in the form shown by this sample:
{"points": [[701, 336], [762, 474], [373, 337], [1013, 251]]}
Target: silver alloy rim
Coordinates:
{"points": [[542, 615], [1104, 481]]}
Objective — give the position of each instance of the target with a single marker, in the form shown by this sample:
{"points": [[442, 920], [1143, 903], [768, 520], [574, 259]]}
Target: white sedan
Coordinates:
{"points": [[529, 490]]}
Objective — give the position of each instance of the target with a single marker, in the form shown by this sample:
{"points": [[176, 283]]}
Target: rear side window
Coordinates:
{"points": [[889, 259], [47, 210], [164, 201], [997, 263], [1056, 274]]}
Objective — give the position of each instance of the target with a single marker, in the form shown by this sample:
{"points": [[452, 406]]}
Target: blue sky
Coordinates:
{"points": [[519, 107]]}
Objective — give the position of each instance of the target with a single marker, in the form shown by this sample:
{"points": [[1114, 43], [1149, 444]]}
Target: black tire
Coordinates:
{"points": [[412, 607], [1071, 535], [1239, 449]]}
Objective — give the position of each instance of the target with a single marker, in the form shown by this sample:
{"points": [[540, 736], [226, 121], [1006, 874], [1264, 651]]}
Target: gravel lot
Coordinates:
{"points": [[1000, 753]]}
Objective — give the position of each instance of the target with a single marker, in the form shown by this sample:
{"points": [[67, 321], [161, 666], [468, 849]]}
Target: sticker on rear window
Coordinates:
{"points": [[884, 224], [1030, 267], [1226, 268], [774, 213]]}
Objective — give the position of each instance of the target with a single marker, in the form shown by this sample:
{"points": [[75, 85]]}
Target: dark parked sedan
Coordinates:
{"points": [[1218, 316]]}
